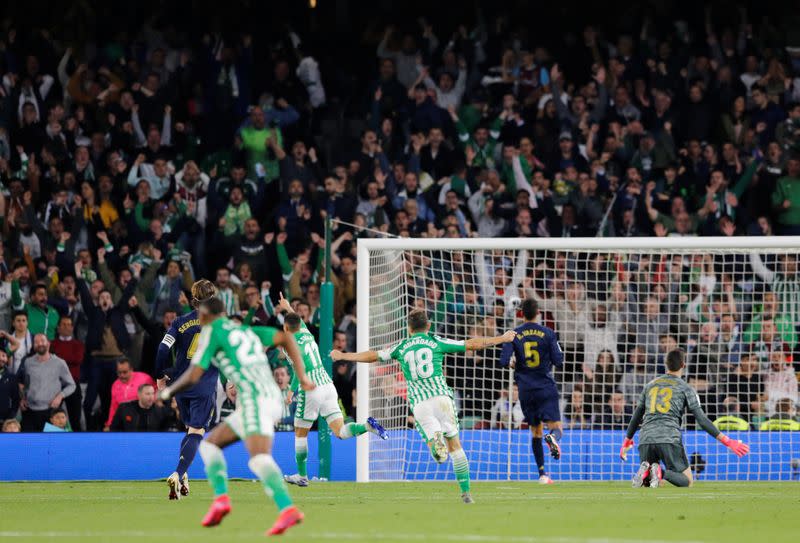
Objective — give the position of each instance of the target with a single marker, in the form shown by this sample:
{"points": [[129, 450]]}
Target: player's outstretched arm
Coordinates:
{"points": [[478, 343], [736, 446], [284, 304], [282, 339], [636, 420], [363, 356]]}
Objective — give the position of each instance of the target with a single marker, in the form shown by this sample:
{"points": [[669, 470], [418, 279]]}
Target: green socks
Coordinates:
{"points": [[352, 429], [301, 455], [216, 468], [347, 431], [268, 472], [461, 468]]}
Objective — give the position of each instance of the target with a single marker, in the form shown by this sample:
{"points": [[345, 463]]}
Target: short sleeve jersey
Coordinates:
{"points": [[420, 358], [238, 352], [665, 400], [312, 361]]}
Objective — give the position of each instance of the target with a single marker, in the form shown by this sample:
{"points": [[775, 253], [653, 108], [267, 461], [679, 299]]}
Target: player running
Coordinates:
{"points": [[536, 351], [197, 405], [660, 411], [322, 401], [238, 351], [420, 357]]}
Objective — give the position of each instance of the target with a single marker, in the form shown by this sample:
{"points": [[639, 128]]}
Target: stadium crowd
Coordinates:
{"points": [[132, 166]]}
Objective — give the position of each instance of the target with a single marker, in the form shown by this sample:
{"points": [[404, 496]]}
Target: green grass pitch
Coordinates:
{"points": [[118, 512]]}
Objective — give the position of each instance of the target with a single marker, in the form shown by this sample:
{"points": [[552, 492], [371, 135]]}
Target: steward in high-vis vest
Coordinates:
{"points": [[783, 419]]}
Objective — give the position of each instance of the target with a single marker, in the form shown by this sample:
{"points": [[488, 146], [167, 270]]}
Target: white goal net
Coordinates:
{"points": [[618, 306]]}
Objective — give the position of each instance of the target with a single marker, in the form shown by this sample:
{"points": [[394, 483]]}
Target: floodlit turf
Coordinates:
{"points": [[505, 512]]}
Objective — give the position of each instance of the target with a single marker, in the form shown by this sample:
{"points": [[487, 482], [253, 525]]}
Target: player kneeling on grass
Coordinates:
{"points": [[536, 350], [322, 401], [238, 352], [420, 357], [660, 411]]}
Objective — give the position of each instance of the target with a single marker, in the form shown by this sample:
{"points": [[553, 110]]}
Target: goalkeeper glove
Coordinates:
{"points": [[626, 446], [737, 447]]}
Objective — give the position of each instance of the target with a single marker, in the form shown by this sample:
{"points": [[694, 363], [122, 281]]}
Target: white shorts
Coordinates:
{"points": [[437, 414], [254, 416], [323, 401]]}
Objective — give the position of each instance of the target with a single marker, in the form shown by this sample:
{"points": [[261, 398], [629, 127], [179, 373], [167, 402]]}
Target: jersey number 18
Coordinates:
{"points": [[420, 363]]}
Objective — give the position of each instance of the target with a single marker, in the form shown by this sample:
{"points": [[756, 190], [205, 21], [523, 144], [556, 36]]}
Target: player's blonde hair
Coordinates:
{"points": [[202, 290]]}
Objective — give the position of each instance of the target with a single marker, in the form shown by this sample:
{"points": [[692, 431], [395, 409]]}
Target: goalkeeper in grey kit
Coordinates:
{"points": [[660, 412]]}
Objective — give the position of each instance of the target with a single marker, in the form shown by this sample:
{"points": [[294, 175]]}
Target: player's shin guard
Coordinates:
{"points": [[268, 472], [461, 469], [189, 447], [301, 455], [352, 429], [538, 453], [216, 467], [676, 478]]}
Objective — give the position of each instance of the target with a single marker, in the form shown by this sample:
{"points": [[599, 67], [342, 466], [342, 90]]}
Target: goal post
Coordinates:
{"points": [[362, 372], [616, 304]]}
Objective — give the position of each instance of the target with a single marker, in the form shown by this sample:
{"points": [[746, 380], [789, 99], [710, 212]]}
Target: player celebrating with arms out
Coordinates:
{"points": [[238, 352], [660, 411], [323, 400], [420, 357], [536, 351], [197, 405]]}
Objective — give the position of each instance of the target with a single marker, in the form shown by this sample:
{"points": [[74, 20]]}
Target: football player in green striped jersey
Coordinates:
{"points": [[420, 357], [323, 401], [238, 352]]}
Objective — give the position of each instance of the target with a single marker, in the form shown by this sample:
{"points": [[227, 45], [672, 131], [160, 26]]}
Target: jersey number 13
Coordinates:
{"points": [[660, 399]]}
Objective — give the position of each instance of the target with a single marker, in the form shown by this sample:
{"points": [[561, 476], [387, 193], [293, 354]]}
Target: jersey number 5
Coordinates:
{"points": [[660, 399], [420, 363], [532, 354]]}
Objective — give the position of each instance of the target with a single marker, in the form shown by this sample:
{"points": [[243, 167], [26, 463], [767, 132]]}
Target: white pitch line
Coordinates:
{"points": [[474, 538], [480, 538], [545, 496], [439, 499]]}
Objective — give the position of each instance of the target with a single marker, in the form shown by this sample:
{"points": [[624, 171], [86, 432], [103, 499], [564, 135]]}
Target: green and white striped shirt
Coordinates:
{"points": [[787, 291], [229, 298], [420, 358], [238, 352], [311, 358], [786, 287]]}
